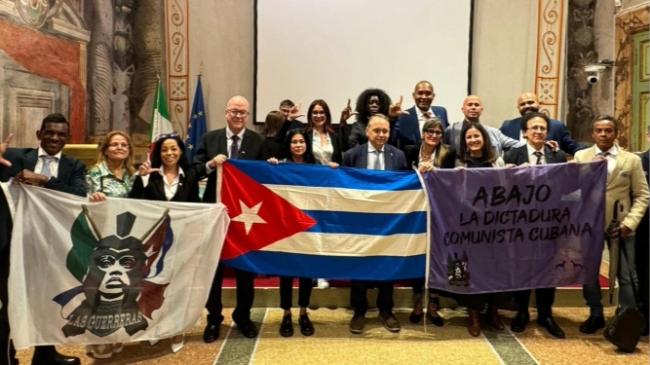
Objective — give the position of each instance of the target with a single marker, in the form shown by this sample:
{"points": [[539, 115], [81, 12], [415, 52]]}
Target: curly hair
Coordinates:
{"points": [[156, 160], [363, 115]]}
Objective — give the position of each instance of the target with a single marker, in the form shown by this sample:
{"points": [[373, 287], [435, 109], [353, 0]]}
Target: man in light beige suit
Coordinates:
{"points": [[626, 184]]}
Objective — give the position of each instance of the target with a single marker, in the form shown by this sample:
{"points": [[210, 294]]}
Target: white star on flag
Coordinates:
{"points": [[249, 216]]}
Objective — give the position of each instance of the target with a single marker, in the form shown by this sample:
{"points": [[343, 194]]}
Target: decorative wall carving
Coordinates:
{"points": [[627, 23], [548, 71], [177, 36]]}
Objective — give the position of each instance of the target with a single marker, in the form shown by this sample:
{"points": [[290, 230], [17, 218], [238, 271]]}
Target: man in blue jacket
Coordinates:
{"points": [[528, 102], [408, 127]]}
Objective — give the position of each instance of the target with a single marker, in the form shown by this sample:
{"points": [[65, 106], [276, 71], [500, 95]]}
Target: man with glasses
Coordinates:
{"points": [[235, 141], [535, 127]]}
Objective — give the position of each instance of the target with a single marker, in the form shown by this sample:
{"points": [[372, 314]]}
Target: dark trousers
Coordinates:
{"points": [[544, 298], [477, 301], [418, 289], [7, 351], [643, 274], [245, 296], [359, 299], [286, 291]]}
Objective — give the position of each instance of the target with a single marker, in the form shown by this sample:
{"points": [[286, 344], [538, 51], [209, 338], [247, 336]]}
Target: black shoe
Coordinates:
{"points": [[415, 317], [247, 329], [434, 318], [390, 322], [551, 326], [520, 322], [357, 323], [55, 359], [592, 324], [211, 332], [286, 328], [306, 327]]}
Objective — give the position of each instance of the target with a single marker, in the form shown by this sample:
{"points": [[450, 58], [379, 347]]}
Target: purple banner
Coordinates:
{"points": [[506, 229]]}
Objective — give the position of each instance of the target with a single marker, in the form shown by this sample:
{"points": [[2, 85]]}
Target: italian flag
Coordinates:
{"points": [[160, 123]]}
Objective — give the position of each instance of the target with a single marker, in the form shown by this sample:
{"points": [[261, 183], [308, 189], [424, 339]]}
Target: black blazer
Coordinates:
{"points": [[6, 225], [394, 159], [519, 156], [188, 188], [70, 177], [448, 159], [214, 143]]}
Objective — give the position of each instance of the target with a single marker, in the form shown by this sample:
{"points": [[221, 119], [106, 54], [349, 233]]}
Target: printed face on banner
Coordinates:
{"points": [[115, 277]]}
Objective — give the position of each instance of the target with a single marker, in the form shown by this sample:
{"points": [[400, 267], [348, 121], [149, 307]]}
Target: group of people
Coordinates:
{"points": [[383, 137]]}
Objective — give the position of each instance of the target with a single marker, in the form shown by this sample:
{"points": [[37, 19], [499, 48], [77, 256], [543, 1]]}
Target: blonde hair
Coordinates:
{"points": [[101, 152]]}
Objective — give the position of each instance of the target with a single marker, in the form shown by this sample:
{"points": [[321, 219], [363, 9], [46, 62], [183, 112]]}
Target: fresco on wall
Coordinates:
{"points": [[105, 54]]}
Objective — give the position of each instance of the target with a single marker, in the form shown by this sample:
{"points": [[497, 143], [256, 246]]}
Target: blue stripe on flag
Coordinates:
{"points": [[331, 267], [383, 224], [324, 176]]}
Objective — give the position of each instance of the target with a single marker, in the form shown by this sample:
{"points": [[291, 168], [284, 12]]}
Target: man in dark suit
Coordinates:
{"points": [[528, 102], [49, 168], [642, 252], [535, 127], [377, 155], [234, 142], [408, 127]]}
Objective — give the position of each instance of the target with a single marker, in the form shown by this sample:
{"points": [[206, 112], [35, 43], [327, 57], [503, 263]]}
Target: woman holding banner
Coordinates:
{"points": [[428, 155], [326, 145], [168, 176], [298, 151], [112, 176], [476, 151]]}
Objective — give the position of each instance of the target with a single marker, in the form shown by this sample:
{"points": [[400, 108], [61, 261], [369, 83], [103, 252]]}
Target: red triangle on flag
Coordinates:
{"points": [[259, 217]]}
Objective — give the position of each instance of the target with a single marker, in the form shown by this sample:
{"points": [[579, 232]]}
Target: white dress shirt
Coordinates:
{"points": [[54, 165]]}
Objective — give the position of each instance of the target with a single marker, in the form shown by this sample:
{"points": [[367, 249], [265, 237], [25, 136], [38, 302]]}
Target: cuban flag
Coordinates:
{"points": [[306, 220]]}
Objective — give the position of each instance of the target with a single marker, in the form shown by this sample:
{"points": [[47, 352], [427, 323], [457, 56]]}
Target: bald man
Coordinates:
{"points": [[472, 109], [409, 126], [234, 141], [528, 102]]}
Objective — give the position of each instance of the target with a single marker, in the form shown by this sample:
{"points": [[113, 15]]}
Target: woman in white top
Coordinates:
{"points": [[325, 143]]}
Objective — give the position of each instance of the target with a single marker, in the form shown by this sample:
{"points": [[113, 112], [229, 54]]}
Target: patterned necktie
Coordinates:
{"points": [[377, 165], [234, 148], [426, 115], [47, 160], [539, 157]]}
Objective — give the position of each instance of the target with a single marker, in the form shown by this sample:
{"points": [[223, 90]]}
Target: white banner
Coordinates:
{"points": [[117, 271]]}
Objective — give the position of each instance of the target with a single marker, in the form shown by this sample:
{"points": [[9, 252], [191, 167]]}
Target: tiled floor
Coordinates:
{"points": [[415, 344]]}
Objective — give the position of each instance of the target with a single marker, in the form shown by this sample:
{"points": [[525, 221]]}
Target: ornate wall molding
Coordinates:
{"points": [[177, 60], [550, 44], [627, 23]]}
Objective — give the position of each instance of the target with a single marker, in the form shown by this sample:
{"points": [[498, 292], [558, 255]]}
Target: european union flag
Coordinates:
{"points": [[197, 125]]}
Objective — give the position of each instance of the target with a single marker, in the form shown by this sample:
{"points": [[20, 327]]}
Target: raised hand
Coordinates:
{"points": [[146, 169], [395, 110], [295, 112], [3, 148], [347, 112]]}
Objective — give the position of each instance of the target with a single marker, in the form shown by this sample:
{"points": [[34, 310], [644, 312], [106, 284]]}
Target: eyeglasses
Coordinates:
{"points": [[238, 113], [433, 132], [167, 135]]}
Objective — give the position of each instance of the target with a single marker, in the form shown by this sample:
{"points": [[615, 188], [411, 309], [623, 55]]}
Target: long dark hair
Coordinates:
{"points": [[487, 152], [308, 156], [328, 116], [156, 161]]}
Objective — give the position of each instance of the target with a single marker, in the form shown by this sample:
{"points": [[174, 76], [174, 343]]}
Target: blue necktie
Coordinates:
{"points": [[47, 160]]}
